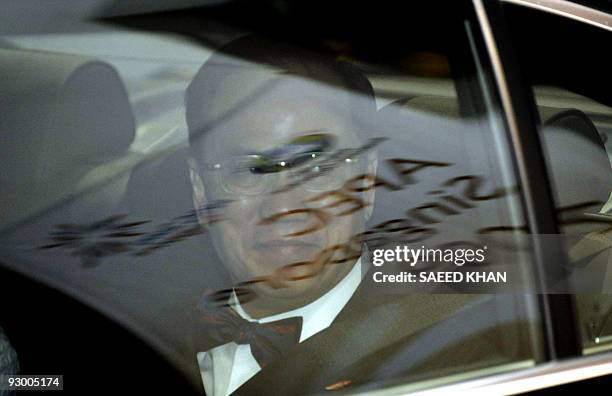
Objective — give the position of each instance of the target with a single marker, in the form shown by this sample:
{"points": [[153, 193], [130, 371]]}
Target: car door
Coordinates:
{"points": [[125, 212]]}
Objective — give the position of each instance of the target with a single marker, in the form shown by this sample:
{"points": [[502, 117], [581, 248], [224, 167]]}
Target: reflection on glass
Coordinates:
{"points": [[570, 85], [232, 220]]}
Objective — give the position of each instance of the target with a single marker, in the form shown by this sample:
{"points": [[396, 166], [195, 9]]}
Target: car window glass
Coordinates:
{"points": [[570, 79], [337, 209]]}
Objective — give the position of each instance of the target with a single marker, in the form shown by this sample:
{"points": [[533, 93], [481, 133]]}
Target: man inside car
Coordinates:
{"points": [[301, 316]]}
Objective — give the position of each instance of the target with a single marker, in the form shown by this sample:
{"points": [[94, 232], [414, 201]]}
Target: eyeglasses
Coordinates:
{"points": [[254, 175]]}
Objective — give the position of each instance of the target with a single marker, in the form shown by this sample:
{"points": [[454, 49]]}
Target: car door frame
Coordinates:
{"points": [[562, 359]]}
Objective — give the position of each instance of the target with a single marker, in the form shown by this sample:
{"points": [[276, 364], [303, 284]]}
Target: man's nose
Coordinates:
{"points": [[280, 200]]}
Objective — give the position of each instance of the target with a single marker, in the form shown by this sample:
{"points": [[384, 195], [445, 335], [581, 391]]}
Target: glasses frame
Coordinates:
{"points": [[267, 185]]}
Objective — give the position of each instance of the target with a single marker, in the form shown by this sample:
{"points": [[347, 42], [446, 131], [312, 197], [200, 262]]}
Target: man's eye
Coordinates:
{"points": [[304, 158]]}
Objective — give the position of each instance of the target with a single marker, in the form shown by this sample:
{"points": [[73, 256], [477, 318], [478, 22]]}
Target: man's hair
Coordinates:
{"points": [[290, 60]]}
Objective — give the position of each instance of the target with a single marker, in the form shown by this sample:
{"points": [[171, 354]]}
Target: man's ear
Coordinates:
{"points": [[368, 196], [198, 192]]}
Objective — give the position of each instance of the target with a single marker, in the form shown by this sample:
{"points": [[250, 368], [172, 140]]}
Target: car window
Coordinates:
{"points": [[570, 79], [288, 211]]}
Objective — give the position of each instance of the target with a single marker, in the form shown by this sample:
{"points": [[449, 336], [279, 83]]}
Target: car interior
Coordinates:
{"points": [[87, 160]]}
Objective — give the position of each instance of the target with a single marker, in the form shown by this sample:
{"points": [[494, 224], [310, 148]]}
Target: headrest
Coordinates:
{"points": [[577, 157], [60, 115]]}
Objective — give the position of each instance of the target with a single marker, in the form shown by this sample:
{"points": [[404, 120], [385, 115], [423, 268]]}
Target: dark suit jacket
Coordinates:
{"points": [[381, 339]]}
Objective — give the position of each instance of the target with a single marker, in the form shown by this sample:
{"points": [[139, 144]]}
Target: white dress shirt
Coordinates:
{"points": [[230, 365]]}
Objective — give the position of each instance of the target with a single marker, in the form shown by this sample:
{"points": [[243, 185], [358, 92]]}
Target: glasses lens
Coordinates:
{"points": [[239, 176], [322, 177]]}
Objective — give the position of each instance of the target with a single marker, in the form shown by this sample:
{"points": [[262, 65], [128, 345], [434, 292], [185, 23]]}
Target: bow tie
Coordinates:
{"points": [[268, 341]]}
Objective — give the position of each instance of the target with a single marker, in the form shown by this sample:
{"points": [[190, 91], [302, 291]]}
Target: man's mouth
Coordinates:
{"points": [[287, 248]]}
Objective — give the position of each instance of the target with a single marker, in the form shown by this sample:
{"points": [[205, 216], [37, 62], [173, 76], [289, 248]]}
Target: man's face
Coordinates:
{"points": [[250, 156]]}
